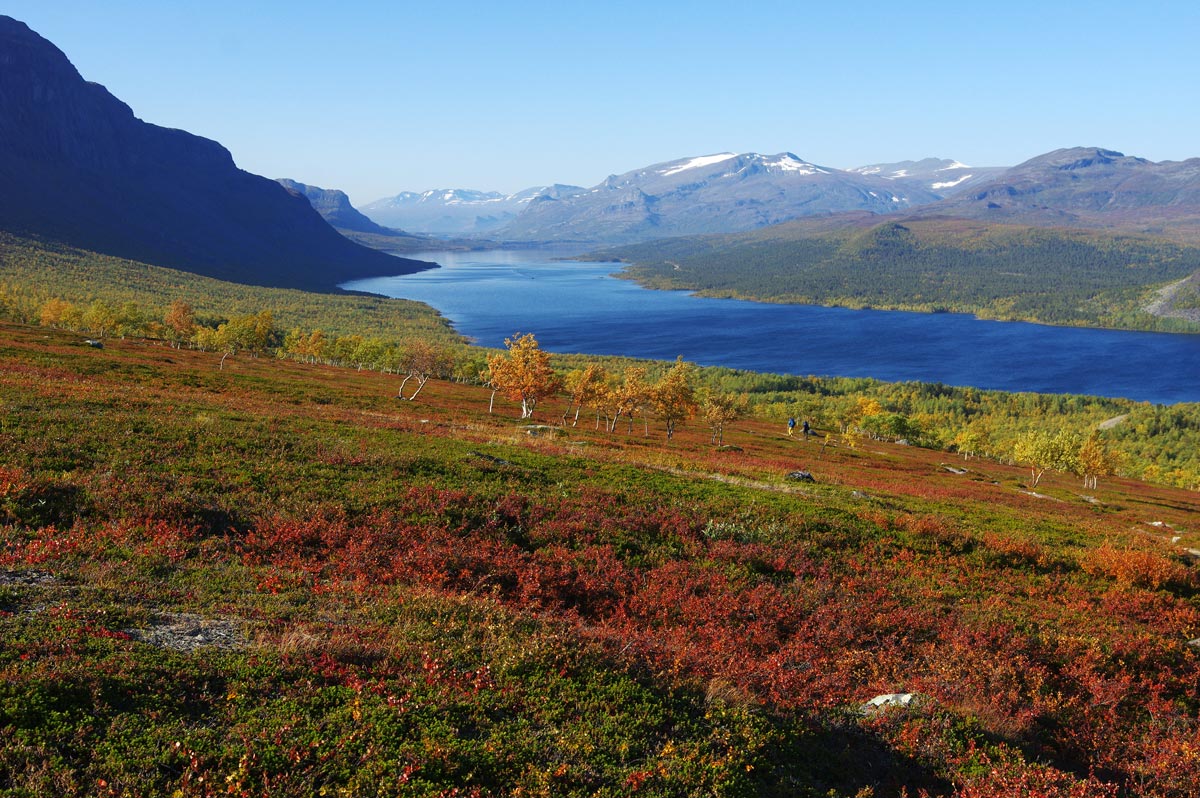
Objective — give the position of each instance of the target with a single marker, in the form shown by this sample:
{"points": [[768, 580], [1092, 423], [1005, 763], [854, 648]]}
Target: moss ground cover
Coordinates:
{"points": [[277, 579]]}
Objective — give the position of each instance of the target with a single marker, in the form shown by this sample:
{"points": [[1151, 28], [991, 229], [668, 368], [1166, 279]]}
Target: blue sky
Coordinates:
{"points": [[375, 98]]}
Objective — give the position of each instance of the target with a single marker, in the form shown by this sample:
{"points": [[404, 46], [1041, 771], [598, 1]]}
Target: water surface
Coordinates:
{"points": [[581, 307]]}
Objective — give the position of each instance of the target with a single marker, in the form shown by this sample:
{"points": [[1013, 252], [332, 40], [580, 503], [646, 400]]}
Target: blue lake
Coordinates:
{"points": [[581, 307]]}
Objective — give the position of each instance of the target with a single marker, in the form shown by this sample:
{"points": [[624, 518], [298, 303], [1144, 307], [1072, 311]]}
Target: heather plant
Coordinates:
{"points": [[277, 579]]}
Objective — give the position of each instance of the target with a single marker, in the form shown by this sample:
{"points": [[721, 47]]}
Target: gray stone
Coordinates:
{"points": [[882, 702]]}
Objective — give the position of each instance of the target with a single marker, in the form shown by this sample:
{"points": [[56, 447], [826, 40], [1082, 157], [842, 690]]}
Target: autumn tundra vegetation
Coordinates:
{"points": [[284, 574], [1025, 429]]}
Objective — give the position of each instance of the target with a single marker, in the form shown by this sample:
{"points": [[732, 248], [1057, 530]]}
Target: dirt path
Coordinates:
{"points": [[1112, 422]]}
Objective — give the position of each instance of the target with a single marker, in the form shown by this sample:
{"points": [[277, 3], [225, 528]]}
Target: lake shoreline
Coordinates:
{"points": [[586, 307], [1170, 323]]}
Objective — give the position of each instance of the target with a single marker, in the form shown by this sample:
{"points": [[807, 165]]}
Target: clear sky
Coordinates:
{"points": [[375, 98]]}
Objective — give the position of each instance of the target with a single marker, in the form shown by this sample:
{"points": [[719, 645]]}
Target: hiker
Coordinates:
{"points": [[791, 426], [806, 428]]}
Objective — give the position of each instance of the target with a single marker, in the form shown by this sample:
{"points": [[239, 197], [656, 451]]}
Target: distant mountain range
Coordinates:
{"points": [[729, 193], [708, 194], [78, 167], [458, 211]]}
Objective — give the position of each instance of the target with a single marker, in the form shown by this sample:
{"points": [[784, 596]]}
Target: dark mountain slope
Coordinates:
{"points": [[77, 166]]}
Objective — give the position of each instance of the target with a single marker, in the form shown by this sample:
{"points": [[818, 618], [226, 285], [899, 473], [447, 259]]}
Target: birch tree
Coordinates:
{"points": [[523, 374], [673, 397]]}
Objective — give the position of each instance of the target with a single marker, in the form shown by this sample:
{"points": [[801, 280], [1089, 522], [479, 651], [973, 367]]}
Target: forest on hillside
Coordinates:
{"points": [[1002, 272]]}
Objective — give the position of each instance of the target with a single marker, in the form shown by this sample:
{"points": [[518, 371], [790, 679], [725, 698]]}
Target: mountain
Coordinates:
{"points": [[941, 176], [1075, 236], [458, 211], [335, 208], [1088, 187], [719, 193], [77, 166]]}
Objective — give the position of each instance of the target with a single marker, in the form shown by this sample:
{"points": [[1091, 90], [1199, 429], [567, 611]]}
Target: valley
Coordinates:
{"points": [[422, 499], [587, 308]]}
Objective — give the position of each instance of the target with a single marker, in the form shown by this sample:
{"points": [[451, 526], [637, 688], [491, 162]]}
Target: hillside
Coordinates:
{"points": [[80, 168], [1088, 187], [927, 263], [719, 193], [33, 272], [944, 177], [276, 579]]}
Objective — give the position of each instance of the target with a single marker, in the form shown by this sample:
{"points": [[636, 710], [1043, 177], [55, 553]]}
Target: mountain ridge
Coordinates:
{"points": [[1087, 187], [79, 167], [718, 193], [943, 176], [457, 211], [334, 206]]}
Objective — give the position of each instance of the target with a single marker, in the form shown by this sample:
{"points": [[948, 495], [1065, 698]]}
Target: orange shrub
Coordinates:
{"points": [[1134, 567]]}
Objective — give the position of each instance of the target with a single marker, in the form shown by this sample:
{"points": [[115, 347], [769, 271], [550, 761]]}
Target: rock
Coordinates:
{"points": [[94, 344], [27, 578], [541, 430], [1195, 643], [953, 469], [801, 476], [490, 459], [729, 448], [187, 632], [881, 702]]}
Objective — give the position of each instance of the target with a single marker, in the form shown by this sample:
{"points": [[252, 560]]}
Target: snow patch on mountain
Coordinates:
{"points": [[951, 183], [790, 163], [696, 163]]}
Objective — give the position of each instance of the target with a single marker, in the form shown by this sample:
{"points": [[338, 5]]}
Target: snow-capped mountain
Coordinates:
{"points": [[458, 211], [721, 193], [942, 176]]}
